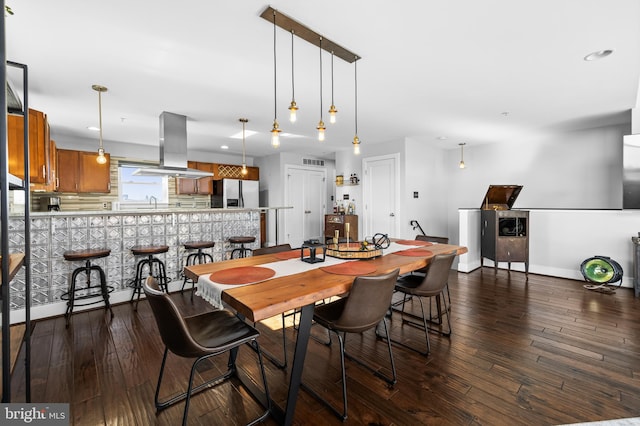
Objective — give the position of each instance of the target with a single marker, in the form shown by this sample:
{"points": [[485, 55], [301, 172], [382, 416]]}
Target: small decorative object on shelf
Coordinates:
{"points": [[339, 180], [313, 246], [354, 179]]}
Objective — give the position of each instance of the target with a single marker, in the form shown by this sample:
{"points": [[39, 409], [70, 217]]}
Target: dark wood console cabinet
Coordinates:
{"points": [[337, 222], [504, 232]]}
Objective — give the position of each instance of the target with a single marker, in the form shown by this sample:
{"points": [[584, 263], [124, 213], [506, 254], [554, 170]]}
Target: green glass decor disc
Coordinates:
{"points": [[598, 270]]}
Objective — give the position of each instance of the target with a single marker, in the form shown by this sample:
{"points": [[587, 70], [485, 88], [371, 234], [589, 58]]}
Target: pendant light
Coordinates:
{"points": [[461, 164], [101, 159], [332, 108], [320, 126], [275, 132], [244, 170], [356, 139], [293, 108]]}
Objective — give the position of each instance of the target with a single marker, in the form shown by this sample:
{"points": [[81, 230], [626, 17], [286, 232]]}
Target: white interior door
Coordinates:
{"points": [[380, 195], [306, 193]]}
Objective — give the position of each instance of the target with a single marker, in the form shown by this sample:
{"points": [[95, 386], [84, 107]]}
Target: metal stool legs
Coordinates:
{"points": [[242, 251], [196, 258], [70, 296], [161, 275]]}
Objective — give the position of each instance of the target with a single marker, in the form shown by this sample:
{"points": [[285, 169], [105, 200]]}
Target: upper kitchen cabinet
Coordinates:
{"points": [[204, 186], [191, 186], [232, 171], [80, 172], [39, 149]]}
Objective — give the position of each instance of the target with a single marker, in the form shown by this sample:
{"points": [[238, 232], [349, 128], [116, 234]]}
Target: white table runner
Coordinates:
{"points": [[211, 291]]}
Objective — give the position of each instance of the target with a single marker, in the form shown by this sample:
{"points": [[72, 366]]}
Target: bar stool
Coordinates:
{"points": [[87, 292], [149, 261], [242, 250], [197, 258]]}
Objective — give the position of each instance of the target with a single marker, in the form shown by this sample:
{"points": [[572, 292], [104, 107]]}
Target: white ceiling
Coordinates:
{"points": [[428, 69]]}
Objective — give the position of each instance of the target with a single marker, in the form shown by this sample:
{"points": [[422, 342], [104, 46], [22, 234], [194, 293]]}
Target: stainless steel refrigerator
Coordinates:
{"points": [[235, 193]]}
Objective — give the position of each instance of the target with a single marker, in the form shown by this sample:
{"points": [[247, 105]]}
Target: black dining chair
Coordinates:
{"points": [[432, 284], [201, 337], [280, 364], [363, 309]]}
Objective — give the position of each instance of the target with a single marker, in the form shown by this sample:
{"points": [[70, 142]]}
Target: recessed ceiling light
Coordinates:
{"points": [[505, 113], [224, 147], [442, 138], [94, 128], [598, 55]]}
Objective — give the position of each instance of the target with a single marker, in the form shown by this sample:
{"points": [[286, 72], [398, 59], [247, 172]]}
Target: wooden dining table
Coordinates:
{"points": [[301, 291]]}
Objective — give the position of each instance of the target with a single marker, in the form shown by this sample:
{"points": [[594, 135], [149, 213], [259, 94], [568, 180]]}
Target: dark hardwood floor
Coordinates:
{"points": [[532, 352]]}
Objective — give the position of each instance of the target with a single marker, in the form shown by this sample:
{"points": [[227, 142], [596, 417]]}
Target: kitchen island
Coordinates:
{"points": [[53, 233]]}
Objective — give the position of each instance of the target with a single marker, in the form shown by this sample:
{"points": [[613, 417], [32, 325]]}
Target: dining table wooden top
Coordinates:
{"points": [[275, 296]]}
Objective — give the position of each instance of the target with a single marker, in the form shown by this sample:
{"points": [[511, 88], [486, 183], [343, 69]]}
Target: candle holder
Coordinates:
{"points": [[313, 246]]}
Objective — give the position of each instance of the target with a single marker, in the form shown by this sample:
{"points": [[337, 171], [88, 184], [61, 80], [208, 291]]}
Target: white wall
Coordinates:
{"points": [[566, 170], [272, 169], [425, 172]]}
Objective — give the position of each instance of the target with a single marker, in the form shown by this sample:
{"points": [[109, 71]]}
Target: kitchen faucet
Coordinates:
{"points": [[155, 202]]}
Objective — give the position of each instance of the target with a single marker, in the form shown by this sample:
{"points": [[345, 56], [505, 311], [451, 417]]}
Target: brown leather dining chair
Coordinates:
{"points": [[201, 337], [280, 364], [432, 284], [433, 239], [430, 239], [363, 309]]}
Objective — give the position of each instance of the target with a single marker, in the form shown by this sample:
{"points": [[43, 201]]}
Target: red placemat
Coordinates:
{"points": [[242, 275], [414, 243], [414, 252], [293, 254], [356, 267]]}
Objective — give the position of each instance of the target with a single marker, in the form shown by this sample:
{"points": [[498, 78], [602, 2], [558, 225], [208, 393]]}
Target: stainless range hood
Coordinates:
{"points": [[173, 150]]}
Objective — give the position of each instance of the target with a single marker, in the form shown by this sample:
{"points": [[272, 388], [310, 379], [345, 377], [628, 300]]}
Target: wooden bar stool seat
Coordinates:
{"points": [[197, 257], [76, 293], [150, 261], [242, 250]]}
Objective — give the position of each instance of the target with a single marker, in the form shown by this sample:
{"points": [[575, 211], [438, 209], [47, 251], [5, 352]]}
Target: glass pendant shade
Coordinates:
{"points": [[275, 135], [332, 114], [244, 170], [356, 145], [101, 159], [293, 112], [321, 130], [461, 164]]}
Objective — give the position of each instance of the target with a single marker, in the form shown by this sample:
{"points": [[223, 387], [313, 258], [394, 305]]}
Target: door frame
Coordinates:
{"points": [[366, 191], [287, 169]]}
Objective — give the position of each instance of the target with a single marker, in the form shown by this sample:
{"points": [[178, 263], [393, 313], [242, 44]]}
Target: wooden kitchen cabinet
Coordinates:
{"points": [[80, 172], [53, 168], [200, 186], [337, 222], [39, 162], [204, 186], [234, 171]]}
